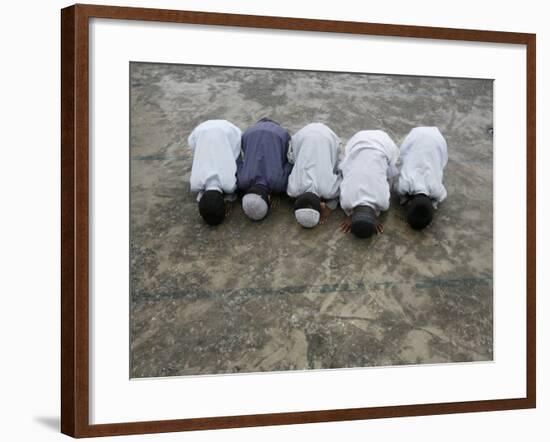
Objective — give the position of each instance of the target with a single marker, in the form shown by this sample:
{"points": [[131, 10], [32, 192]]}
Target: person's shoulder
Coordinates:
{"points": [[316, 125], [379, 134], [258, 126], [371, 135], [358, 136], [211, 124], [426, 131], [322, 128], [226, 124], [368, 133], [236, 129]]}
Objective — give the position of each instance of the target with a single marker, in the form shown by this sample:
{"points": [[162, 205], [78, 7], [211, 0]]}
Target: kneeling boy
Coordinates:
{"points": [[216, 145], [315, 179], [420, 183], [368, 165], [263, 169]]}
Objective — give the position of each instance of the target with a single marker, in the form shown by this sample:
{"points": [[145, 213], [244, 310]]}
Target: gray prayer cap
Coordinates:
{"points": [[307, 218], [254, 206], [307, 209]]}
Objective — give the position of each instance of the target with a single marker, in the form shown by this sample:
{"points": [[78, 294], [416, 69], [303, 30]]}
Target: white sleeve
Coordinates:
{"points": [[236, 141], [290, 153], [441, 195], [192, 140], [339, 157], [401, 187], [393, 171]]}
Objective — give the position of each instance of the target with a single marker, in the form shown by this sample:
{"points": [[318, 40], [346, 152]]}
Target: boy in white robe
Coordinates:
{"points": [[369, 163], [216, 145], [420, 184], [315, 179]]}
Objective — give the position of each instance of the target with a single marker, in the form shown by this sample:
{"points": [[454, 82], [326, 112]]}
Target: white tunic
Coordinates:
{"points": [[368, 164], [314, 153], [423, 158], [216, 145]]}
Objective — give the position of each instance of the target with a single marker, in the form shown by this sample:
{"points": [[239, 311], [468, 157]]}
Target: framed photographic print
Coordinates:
{"points": [[272, 220]]}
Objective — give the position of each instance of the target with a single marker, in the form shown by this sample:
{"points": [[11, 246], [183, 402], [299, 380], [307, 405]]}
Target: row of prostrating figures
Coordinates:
{"points": [[265, 161]]}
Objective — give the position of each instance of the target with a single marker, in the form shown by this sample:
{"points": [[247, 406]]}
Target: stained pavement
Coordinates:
{"points": [[251, 297]]}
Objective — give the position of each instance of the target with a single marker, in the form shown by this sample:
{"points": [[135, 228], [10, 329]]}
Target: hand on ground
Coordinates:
{"points": [[345, 225], [228, 207]]}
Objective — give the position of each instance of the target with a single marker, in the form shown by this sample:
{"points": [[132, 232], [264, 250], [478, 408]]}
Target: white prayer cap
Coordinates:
{"points": [[254, 206], [307, 218]]}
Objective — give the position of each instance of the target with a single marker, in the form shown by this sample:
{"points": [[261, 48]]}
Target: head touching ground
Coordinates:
{"points": [[363, 222], [255, 203], [419, 211], [212, 207], [307, 210]]}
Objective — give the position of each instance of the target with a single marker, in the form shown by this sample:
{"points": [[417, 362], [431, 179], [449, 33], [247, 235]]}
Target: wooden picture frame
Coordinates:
{"points": [[75, 220]]}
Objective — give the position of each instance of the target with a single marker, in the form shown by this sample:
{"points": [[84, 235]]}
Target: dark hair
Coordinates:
{"points": [[308, 200], [363, 222], [419, 211], [212, 207], [259, 190]]}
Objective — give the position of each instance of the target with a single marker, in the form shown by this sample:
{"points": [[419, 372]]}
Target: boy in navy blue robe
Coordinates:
{"points": [[263, 168]]}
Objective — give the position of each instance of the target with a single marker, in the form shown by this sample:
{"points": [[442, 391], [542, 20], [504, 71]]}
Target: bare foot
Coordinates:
{"points": [[379, 228], [325, 213], [228, 207]]}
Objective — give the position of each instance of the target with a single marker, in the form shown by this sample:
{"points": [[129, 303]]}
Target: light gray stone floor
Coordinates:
{"points": [[270, 296]]}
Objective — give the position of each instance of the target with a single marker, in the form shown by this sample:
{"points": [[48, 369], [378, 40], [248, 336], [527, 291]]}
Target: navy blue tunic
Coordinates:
{"points": [[264, 158]]}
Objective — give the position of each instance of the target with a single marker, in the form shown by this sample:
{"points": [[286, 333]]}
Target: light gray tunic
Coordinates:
{"points": [[369, 162], [314, 153], [423, 157], [216, 145]]}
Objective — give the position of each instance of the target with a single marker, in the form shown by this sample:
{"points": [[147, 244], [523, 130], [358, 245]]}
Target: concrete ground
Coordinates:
{"points": [[269, 296]]}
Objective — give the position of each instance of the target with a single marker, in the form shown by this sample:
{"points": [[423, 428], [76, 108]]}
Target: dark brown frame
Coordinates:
{"points": [[74, 220]]}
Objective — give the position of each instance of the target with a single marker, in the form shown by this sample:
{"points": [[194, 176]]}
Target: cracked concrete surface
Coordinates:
{"points": [[270, 296]]}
